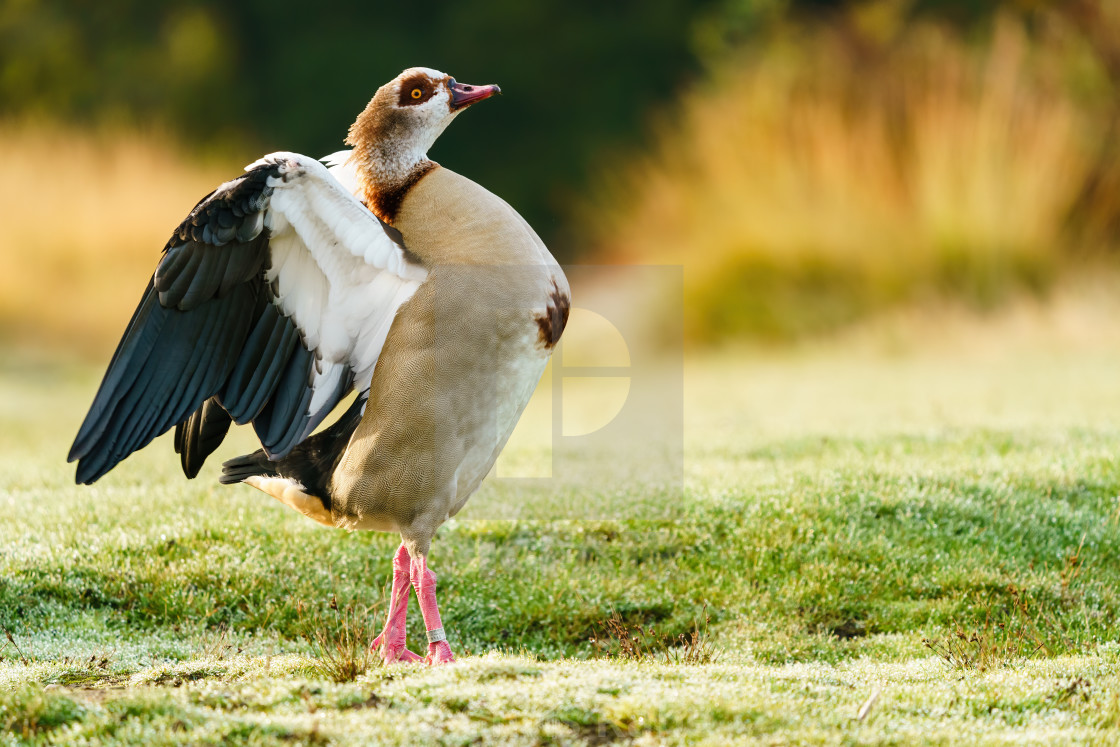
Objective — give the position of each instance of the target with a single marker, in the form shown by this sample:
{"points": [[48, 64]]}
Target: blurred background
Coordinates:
{"points": [[811, 163], [890, 228]]}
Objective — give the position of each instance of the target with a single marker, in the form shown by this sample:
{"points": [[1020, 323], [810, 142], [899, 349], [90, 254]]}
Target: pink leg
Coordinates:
{"points": [[392, 638], [425, 582]]}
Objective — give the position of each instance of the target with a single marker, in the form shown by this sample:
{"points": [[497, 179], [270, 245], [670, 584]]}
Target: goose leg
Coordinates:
{"points": [[391, 641], [439, 652]]}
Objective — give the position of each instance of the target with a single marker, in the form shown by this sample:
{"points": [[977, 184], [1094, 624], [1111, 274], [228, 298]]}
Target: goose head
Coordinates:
{"points": [[391, 137]]}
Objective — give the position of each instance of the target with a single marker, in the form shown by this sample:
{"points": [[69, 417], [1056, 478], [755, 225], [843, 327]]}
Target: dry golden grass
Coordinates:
{"points": [[85, 216], [805, 185]]}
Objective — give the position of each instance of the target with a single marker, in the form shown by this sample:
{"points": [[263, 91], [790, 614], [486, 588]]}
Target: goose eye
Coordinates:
{"points": [[417, 93]]}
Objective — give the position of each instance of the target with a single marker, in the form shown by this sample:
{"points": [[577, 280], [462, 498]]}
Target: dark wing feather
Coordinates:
{"points": [[263, 359], [199, 435], [175, 361], [280, 424], [206, 334]]}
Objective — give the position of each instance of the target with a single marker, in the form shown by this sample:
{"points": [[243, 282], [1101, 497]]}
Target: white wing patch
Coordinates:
{"points": [[334, 271], [343, 169]]}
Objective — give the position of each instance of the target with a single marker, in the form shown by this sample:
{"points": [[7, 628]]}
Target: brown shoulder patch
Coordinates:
{"points": [[552, 322]]}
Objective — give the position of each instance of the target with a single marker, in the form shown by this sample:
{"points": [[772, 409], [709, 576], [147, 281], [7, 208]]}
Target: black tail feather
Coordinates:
{"points": [[239, 468], [311, 463]]}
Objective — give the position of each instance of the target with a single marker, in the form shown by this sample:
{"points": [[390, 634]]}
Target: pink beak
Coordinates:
{"points": [[463, 95]]}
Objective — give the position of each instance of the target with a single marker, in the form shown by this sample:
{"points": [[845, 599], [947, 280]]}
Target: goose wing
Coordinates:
{"points": [[271, 302]]}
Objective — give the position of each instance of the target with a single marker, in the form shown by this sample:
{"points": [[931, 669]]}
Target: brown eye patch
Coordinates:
{"points": [[416, 90]]}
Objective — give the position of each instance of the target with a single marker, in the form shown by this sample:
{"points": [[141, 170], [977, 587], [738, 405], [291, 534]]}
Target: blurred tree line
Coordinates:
{"points": [[843, 159], [578, 76], [581, 76]]}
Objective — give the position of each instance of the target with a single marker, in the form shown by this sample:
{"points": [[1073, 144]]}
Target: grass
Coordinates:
{"points": [[518, 700], [619, 639], [340, 642], [846, 505]]}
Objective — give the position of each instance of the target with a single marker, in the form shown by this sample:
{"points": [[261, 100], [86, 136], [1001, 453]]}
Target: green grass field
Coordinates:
{"points": [[879, 543]]}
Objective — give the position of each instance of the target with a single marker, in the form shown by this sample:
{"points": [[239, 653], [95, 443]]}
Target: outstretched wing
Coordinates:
{"points": [[271, 302]]}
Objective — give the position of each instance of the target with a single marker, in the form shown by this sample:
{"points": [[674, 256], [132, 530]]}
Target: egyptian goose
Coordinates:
{"points": [[299, 281]]}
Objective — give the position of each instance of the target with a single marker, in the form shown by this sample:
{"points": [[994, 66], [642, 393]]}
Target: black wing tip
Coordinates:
{"points": [[88, 472], [92, 427]]}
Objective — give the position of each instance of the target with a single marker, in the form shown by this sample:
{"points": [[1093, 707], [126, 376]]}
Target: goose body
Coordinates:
{"points": [[453, 384], [300, 281]]}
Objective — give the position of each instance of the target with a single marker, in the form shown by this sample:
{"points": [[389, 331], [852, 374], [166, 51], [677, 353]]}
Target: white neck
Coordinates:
{"points": [[390, 163]]}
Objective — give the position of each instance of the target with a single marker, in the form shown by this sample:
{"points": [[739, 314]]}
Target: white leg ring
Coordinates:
{"points": [[436, 635]]}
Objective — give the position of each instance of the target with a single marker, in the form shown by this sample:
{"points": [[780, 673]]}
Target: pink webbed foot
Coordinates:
{"points": [[391, 641], [392, 650], [439, 653]]}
